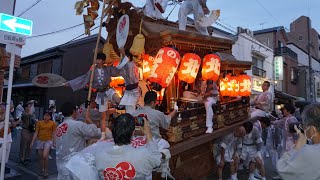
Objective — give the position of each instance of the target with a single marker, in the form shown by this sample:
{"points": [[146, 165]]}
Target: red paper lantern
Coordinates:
{"points": [[245, 85], [147, 65], [233, 86], [211, 67], [116, 81], [189, 67], [164, 66]]}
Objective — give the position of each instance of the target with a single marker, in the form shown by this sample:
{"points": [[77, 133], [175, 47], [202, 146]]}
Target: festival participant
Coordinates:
{"points": [[228, 149], [210, 98], [45, 136], [28, 121], [303, 161], [19, 110], [262, 103], [71, 138], [288, 137], [130, 73], [155, 8], [198, 8], [156, 120], [12, 123], [118, 158], [101, 80], [251, 147]]}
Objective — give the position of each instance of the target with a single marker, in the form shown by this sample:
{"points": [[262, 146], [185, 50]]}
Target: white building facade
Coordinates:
{"points": [[247, 48]]}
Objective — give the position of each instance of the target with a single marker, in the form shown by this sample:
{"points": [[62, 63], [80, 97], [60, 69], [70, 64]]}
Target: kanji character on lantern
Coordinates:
{"points": [[245, 85], [147, 65], [233, 86], [211, 67], [189, 67], [164, 66], [224, 86]]}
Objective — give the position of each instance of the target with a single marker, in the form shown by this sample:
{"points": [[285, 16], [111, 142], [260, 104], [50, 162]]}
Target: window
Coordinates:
{"points": [[294, 76], [25, 72], [44, 67], [257, 61], [280, 44]]}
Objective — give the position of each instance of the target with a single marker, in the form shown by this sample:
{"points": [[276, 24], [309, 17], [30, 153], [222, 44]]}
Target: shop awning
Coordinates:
{"points": [[284, 97]]}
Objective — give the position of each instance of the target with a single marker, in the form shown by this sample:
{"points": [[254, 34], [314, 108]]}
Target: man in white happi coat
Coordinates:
{"points": [[303, 161], [123, 157], [101, 80], [228, 149], [156, 120], [130, 73], [155, 8], [262, 103], [199, 9], [210, 98], [251, 146], [71, 138]]}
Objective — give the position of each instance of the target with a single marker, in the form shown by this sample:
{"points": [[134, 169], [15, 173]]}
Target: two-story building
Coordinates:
{"points": [[304, 40], [248, 48], [287, 69], [68, 60]]}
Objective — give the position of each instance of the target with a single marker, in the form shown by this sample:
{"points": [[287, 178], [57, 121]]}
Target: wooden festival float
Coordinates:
{"points": [[191, 148]]}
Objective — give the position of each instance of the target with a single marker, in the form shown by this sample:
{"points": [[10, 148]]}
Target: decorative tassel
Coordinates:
{"points": [[137, 48], [111, 55]]}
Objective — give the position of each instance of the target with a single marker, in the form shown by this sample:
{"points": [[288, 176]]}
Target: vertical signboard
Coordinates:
{"points": [[278, 68]]}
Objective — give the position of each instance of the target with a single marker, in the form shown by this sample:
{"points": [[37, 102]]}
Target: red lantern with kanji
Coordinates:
{"points": [[116, 81], [189, 67], [245, 85], [224, 82], [233, 86], [147, 65], [164, 66], [211, 67]]}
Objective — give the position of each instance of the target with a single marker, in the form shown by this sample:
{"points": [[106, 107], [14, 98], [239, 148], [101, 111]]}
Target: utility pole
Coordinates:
{"points": [[310, 63]]}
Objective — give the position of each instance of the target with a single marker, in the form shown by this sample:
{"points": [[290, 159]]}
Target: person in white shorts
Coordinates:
{"points": [[251, 146], [227, 149]]}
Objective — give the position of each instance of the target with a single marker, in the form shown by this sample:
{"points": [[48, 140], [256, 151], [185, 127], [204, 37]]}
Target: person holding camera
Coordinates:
{"points": [[120, 158], [284, 123], [303, 161], [156, 120], [71, 138]]}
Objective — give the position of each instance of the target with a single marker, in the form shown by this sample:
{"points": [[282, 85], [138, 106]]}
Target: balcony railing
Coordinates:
{"points": [[285, 51], [258, 72]]}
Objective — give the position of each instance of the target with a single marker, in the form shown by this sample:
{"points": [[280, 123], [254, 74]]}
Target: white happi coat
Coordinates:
{"points": [[104, 160], [302, 164], [189, 7], [71, 138], [232, 146]]}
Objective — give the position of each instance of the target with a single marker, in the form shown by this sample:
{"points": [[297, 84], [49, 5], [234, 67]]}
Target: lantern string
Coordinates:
{"points": [[140, 26]]}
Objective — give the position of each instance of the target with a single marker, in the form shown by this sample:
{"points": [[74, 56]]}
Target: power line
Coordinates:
{"points": [[54, 32], [26, 10], [81, 35]]}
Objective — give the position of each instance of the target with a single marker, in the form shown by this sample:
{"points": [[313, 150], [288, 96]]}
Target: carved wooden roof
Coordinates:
{"points": [[160, 33]]}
